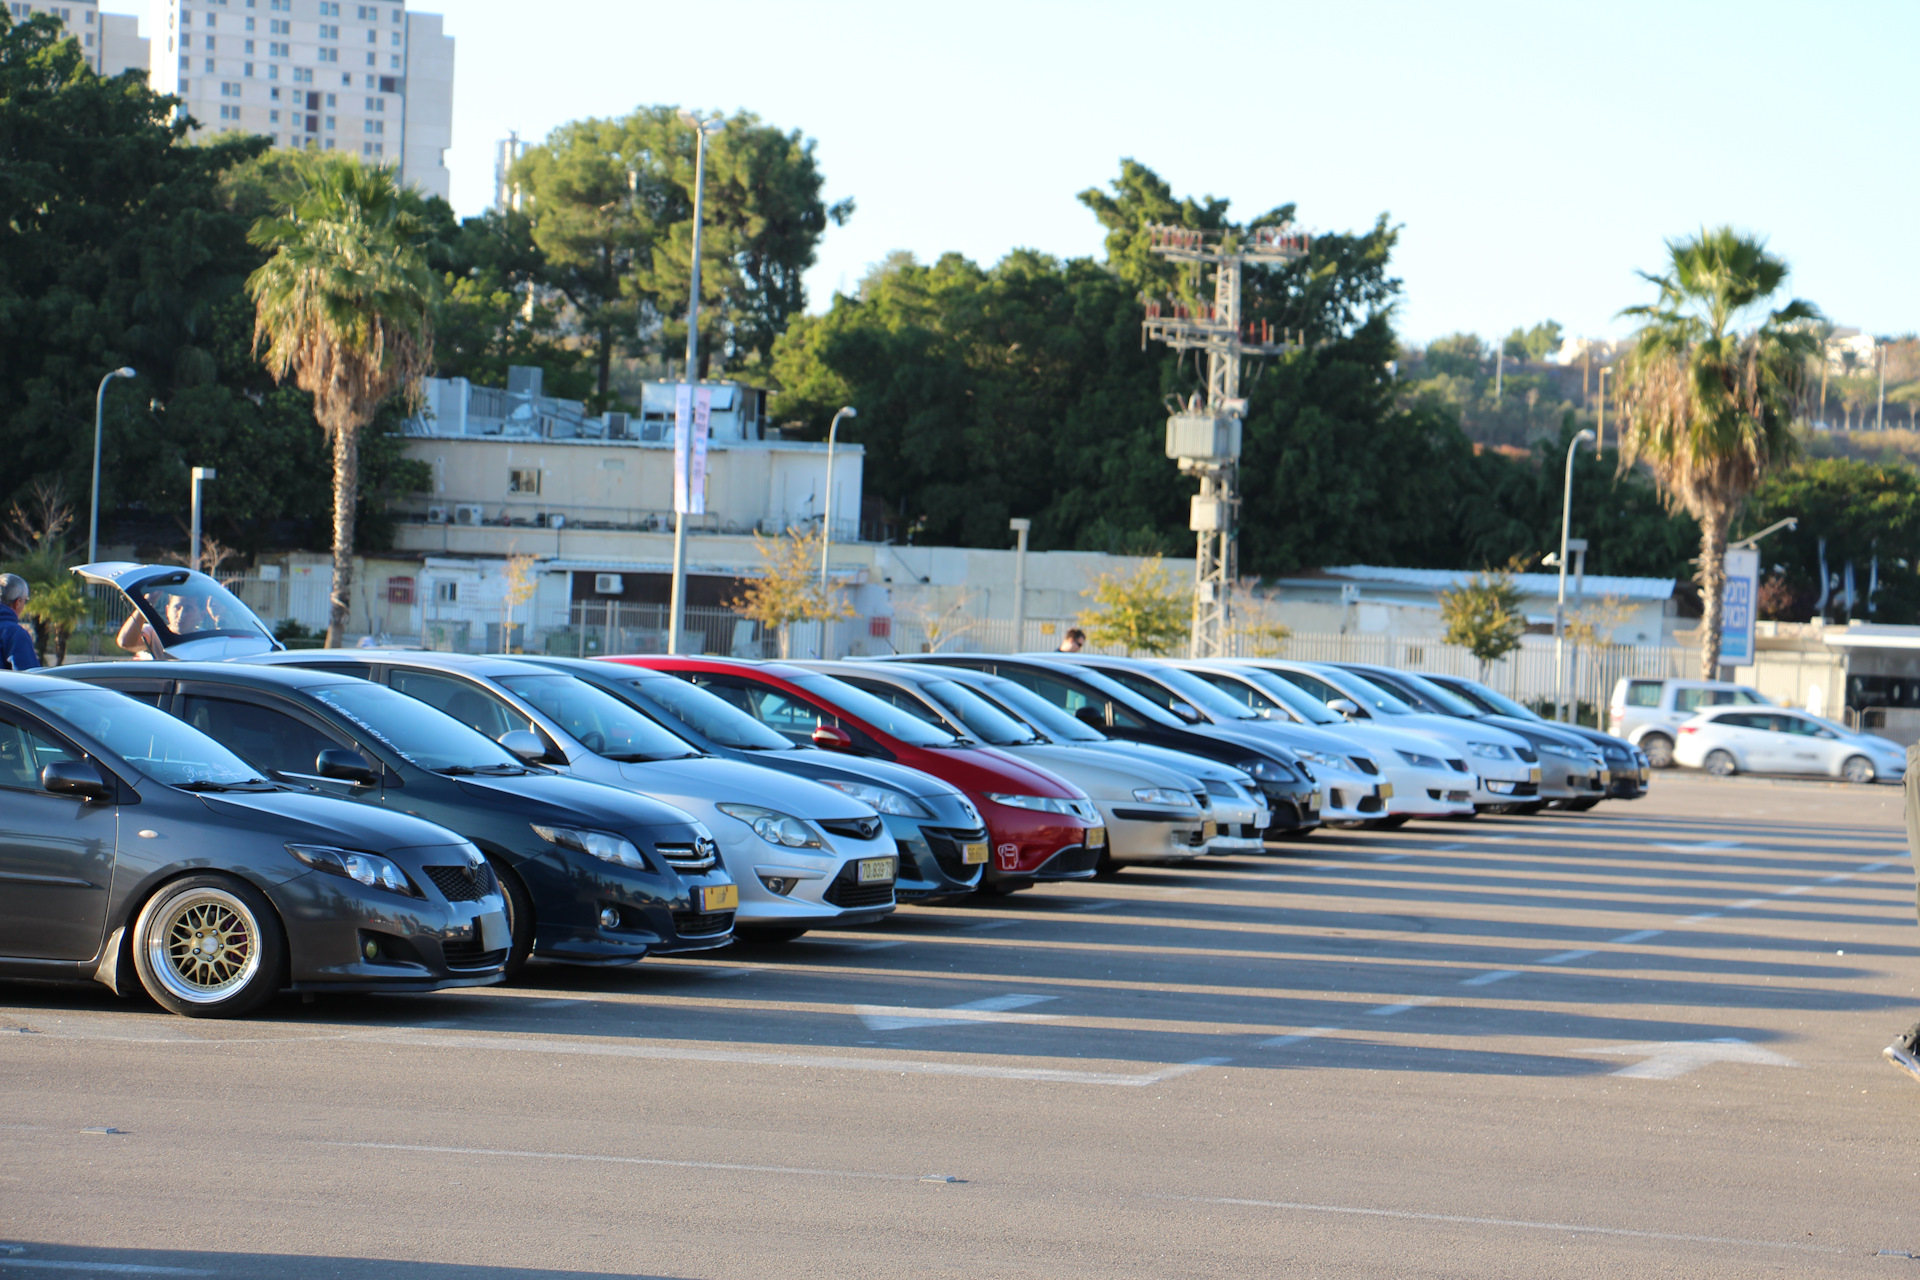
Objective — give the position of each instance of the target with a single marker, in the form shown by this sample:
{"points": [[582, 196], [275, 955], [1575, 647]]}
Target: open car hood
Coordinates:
{"points": [[233, 630]]}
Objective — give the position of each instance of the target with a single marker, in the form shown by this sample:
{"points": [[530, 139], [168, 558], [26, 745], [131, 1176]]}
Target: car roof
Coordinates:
{"points": [[27, 683], [480, 664], [906, 673], [693, 662], [250, 674]]}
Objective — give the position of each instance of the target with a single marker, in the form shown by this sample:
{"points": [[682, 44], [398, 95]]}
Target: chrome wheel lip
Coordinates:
{"points": [[176, 922]]}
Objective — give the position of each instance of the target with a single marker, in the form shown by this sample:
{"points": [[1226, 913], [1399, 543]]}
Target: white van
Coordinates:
{"points": [[1648, 712]]}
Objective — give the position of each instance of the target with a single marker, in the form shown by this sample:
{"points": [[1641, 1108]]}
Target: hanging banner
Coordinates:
{"points": [[1736, 612], [692, 411]]}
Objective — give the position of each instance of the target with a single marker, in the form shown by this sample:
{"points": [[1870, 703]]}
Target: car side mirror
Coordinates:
{"points": [[1344, 707], [525, 744], [1186, 711], [345, 766], [1091, 717], [831, 737], [74, 778]]}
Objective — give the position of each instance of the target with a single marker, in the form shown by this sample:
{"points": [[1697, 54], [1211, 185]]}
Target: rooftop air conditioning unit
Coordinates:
{"points": [[469, 513], [616, 426], [609, 584], [438, 515]]}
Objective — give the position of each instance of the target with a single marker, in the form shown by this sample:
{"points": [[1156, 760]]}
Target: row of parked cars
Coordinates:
{"points": [[240, 820], [1729, 728]]}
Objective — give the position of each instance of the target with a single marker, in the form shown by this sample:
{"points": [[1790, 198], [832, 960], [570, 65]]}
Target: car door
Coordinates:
{"points": [[56, 851], [473, 705], [268, 732], [1755, 737], [1805, 747]]}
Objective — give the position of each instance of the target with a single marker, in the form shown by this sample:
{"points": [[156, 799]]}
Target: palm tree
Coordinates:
{"points": [[343, 307], [1708, 407]]}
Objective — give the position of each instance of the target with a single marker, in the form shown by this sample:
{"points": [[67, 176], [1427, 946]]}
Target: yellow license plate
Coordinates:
{"points": [[974, 855], [1208, 830], [1096, 837], [876, 870], [1606, 778], [1533, 775], [719, 897], [1643, 775], [1386, 791]]}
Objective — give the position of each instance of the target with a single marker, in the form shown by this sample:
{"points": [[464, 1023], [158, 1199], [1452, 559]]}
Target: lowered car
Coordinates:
{"points": [[1729, 740], [590, 874], [804, 856], [139, 852]]}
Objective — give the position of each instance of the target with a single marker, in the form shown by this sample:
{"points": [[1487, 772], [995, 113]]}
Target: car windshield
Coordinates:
{"points": [[1428, 696], [1203, 695], [1035, 710], [714, 719], [1367, 693], [597, 720], [183, 605], [885, 717], [1271, 688], [147, 738], [418, 733], [982, 719], [1489, 701]]}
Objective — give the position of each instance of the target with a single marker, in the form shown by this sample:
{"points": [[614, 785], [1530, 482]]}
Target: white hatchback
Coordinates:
{"points": [[1730, 740]]}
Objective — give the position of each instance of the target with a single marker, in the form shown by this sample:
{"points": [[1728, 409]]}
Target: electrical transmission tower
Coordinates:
{"points": [[1204, 438]]}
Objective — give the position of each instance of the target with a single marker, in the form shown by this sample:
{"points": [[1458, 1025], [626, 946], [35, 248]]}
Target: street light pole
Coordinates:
{"points": [[1560, 605], [99, 417], [826, 508], [1021, 527], [200, 477], [1600, 441], [701, 128]]}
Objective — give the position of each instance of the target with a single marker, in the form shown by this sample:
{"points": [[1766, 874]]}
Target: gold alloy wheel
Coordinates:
{"points": [[204, 946]]}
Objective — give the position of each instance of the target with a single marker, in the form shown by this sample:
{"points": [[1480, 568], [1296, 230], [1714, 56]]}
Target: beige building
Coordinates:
{"points": [[111, 41], [320, 75]]}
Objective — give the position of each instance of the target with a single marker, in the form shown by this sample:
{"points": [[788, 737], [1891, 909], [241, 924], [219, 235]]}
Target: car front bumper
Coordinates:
{"points": [[1152, 833], [418, 944]]}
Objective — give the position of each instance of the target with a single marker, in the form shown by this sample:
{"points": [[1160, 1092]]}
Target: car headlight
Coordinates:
{"points": [[773, 826], [1419, 761], [1270, 771], [1555, 749], [1489, 750], [1326, 760], [1039, 804], [369, 869], [599, 844], [1162, 795], [883, 799]]}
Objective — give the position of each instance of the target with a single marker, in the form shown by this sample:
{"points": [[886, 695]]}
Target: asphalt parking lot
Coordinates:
{"points": [[1642, 1041]]}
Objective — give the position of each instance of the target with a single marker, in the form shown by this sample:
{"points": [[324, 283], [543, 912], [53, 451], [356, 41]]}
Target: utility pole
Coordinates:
{"points": [[1021, 526], [1600, 442], [677, 592], [1880, 418], [1204, 437]]}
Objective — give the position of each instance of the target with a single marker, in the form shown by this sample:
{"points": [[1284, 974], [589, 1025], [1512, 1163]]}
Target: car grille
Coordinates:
{"points": [[700, 855], [1527, 754], [852, 828], [1204, 800], [1451, 797], [693, 924], [1365, 765], [948, 852], [465, 953], [1458, 766], [462, 884], [847, 891], [1371, 804], [1220, 787], [1075, 858]]}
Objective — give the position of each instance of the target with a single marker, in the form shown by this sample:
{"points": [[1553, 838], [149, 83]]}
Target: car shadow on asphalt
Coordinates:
{"points": [[36, 1259]]}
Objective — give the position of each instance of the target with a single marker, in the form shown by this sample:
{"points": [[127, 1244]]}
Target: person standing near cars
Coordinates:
{"points": [[1074, 642], [16, 646]]}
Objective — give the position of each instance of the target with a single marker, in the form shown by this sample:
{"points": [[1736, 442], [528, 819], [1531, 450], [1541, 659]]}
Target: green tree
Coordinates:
{"points": [[1707, 406], [789, 589], [343, 308], [1458, 355], [1849, 511], [1534, 344], [1483, 615], [1142, 612]]}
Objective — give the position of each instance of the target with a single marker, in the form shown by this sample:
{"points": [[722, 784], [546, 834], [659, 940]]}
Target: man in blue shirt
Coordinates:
{"points": [[16, 646]]}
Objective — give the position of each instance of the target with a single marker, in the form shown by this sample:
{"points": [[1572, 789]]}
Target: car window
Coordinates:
{"points": [[1690, 699], [24, 753], [183, 605], [1317, 687], [262, 736], [882, 716], [1244, 694], [486, 713], [700, 710], [599, 721], [1070, 696], [1301, 704], [912, 703], [1643, 693], [1746, 696], [1797, 725], [982, 718], [791, 717], [1740, 720], [414, 730], [165, 749]]}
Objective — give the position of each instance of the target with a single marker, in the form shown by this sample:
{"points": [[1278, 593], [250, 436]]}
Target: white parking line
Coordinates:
{"points": [[1311, 1033], [1641, 936], [1488, 979], [1567, 957], [1696, 919], [1389, 1010], [1744, 903], [991, 1009]]}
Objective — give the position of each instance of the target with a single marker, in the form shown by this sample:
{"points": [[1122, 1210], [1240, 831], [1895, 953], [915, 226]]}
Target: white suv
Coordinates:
{"points": [[1649, 712]]}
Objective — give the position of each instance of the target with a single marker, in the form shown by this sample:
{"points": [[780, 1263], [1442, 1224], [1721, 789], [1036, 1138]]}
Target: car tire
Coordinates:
{"points": [[1581, 806], [1721, 764], [1859, 769], [520, 920], [1296, 833], [764, 935], [1659, 749], [209, 946], [1392, 822], [1106, 868]]}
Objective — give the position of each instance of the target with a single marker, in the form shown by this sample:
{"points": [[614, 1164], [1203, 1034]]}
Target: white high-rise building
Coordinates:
{"points": [[326, 75], [111, 41]]}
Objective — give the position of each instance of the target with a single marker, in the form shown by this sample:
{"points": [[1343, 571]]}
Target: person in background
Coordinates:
{"points": [[1075, 641], [16, 646], [1904, 1052]]}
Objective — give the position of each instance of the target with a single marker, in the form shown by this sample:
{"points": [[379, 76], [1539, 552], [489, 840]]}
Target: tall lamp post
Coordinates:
{"points": [[1560, 605], [99, 417], [1600, 442], [1021, 527], [702, 130], [826, 508], [200, 477]]}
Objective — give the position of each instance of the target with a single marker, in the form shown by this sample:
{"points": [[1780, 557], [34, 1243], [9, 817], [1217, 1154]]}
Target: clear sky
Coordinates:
{"points": [[1535, 154]]}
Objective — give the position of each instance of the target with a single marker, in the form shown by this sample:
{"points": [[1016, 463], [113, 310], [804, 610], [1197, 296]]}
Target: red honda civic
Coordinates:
{"points": [[1042, 827]]}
